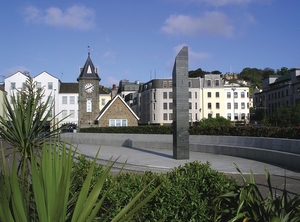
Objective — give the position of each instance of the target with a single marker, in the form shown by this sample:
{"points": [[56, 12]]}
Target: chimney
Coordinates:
{"points": [[113, 91]]}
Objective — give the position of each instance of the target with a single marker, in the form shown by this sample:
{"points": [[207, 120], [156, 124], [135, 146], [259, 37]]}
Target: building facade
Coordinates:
{"points": [[278, 91], [66, 97], [209, 97], [78, 103]]}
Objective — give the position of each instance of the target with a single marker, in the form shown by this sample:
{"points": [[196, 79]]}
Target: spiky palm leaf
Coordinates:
{"points": [[23, 124], [51, 180]]}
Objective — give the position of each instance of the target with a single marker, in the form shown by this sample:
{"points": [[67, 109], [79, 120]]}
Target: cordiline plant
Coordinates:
{"points": [[246, 203], [23, 123], [50, 183]]}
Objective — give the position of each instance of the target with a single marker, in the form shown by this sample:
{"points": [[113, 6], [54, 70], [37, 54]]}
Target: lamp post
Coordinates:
{"points": [[54, 103], [233, 89]]}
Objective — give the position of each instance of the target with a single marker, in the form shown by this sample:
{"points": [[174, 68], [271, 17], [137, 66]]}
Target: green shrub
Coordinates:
{"points": [[275, 132], [152, 129], [218, 121], [186, 193]]}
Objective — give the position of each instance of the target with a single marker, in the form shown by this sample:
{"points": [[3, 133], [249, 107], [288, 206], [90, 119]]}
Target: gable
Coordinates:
{"points": [[117, 109]]}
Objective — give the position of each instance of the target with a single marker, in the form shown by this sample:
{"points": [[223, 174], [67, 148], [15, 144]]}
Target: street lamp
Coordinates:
{"points": [[54, 104], [233, 89]]}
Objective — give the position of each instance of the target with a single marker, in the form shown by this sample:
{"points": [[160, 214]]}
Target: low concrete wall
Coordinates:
{"points": [[283, 152]]}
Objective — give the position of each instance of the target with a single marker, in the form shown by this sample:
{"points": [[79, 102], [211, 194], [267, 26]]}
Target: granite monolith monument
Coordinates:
{"points": [[181, 105]]}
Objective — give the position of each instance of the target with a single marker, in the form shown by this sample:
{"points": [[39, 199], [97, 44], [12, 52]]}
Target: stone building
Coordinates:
{"points": [[117, 113]]}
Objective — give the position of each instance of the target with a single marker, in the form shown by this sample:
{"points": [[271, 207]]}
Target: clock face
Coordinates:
{"points": [[89, 87]]}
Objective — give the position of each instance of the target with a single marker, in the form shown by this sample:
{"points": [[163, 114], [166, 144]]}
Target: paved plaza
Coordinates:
{"points": [[161, 160]]}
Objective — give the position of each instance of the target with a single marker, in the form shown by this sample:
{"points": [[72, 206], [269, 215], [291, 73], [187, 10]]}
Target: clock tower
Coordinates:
{"points": [[88, 98]]}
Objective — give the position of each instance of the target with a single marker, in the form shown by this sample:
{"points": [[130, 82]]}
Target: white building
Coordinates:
{"points": [[208, 98], [237, 102], [63, 95]]}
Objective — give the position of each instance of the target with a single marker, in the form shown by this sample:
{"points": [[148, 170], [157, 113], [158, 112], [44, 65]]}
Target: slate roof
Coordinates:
{"points": [[88, 70], [283, 78], [69, 88]]}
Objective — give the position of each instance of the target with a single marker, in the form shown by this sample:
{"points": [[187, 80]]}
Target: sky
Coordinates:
{"points": [[139, 39]]}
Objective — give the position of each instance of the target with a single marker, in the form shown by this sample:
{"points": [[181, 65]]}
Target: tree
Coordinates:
{"points": [[216, 72], [197, 73], [282, 71], [267, 72], [286, 116], [253, 75], [23, 125]]}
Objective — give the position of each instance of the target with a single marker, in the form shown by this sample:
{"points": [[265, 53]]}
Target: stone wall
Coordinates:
{"points": [[282, 152]]}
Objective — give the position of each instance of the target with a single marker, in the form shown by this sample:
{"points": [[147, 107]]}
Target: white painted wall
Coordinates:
{"points": [[67, 104]]}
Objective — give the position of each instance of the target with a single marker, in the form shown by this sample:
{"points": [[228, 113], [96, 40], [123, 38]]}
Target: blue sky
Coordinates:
{"points": [[139, 39]]}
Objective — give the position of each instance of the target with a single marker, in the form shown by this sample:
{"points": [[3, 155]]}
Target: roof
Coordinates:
{"points": [[88, 70], [283, 78], [18, 72], [102, 91], [69, 88], [109, 104], [45, 72]]}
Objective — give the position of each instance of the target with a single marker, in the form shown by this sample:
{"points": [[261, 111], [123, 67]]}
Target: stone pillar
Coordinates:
{"points": [[181, 106]]}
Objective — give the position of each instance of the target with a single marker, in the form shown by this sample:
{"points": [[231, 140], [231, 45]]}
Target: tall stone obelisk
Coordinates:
{"points": [[181, 106]]}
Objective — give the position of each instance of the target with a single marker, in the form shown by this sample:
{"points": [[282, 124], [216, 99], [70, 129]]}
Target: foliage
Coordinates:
{"points": [[23, 125], [200, 73], [186, 193], [283, 71], [286, 116], [197, 73], [218, 121], [247, 203], [251, 131], [46, 195], [252, 75], [152, 129]]}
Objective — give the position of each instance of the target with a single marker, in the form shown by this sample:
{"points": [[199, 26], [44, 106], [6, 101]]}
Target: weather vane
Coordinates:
{"points": [[89, 49]]}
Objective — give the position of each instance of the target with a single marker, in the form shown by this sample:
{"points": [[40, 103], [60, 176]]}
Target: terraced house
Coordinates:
{"points": [[209, 97]]}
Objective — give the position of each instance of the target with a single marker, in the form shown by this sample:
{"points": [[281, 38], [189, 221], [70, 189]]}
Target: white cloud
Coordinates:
{"points": [[218, 3], [211, 23], [111, 55], [249, 18], [227, 2], [76, 17]]}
